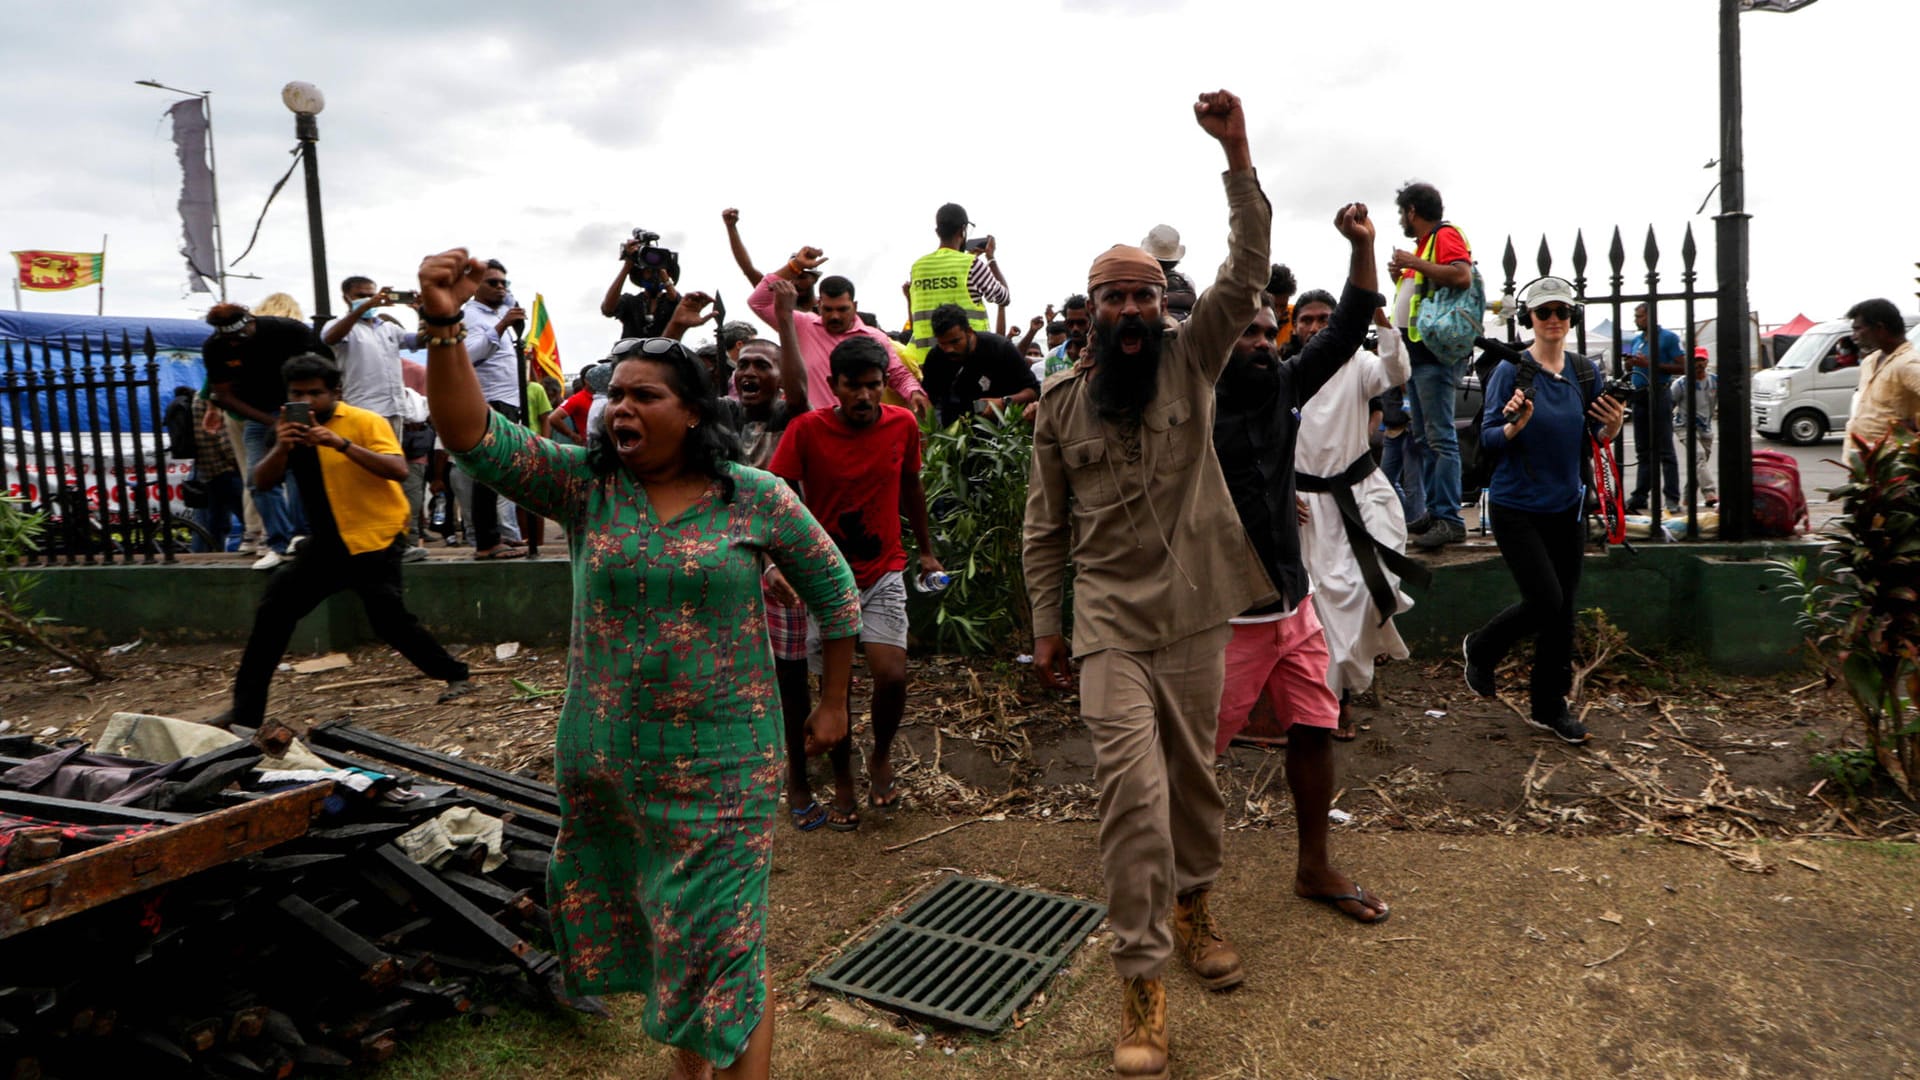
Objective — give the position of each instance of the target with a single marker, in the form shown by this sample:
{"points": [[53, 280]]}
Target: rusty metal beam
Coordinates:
{"points": [[534, 960], [64, 887], [372, 966]]}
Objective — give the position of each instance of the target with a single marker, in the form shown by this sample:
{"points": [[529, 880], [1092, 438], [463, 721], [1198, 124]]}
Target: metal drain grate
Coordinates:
{"points": [[969, 952]]}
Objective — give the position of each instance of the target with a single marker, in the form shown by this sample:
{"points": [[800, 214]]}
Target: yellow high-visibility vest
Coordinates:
{"points": [[940, 277], [1420, 280]]}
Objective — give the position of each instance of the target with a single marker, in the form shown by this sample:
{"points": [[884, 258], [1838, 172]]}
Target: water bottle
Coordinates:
{"points": [[933, 581]]}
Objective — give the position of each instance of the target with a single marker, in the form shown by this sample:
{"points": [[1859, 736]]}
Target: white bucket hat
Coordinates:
{"points": [[1163, 243]]}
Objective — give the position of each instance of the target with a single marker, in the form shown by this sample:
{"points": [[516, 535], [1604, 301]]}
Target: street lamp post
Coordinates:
{"points": [[306, 101], [1730, 252], [1731, 242]]}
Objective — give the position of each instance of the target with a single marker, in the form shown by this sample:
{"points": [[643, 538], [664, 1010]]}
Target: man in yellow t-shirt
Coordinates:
{"points": [[348, 468]]}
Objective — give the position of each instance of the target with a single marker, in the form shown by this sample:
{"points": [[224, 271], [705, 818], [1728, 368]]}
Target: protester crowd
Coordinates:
{"points": [[1229, 476]]}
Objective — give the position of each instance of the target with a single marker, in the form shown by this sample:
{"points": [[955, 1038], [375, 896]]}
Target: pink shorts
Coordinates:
{"points": [[787, 630], [1288, 659]]}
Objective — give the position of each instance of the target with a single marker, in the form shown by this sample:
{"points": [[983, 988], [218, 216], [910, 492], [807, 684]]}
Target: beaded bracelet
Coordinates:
{"points": [[442, 320], [455, 336]]}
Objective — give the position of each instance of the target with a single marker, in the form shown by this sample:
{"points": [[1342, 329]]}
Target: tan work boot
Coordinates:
{"points": [[1141, 1053], [1206, 952]]}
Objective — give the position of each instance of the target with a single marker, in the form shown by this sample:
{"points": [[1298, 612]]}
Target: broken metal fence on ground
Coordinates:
{"points": [[232, 915], [85, 446], [1733, 443]]}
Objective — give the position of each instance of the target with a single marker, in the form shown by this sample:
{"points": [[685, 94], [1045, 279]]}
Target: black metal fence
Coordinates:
{"points": [[1619, 301], [86, 447]]}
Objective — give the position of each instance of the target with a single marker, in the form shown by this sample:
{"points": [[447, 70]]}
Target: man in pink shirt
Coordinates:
{"points": [[833, 321]]}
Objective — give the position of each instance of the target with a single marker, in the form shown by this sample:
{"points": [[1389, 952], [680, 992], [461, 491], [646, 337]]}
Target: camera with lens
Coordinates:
{"points": [[1620, 388], [649, 255]]}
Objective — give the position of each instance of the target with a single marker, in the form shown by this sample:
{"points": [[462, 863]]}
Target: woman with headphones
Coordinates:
{"points": [[1539, 415]]}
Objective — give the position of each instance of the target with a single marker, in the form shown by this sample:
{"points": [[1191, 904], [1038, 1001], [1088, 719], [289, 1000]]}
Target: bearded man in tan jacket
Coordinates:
{"points": [[1125, 487]]}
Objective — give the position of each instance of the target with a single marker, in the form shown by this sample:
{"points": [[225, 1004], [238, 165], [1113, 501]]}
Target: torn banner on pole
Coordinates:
{"points": [[196, 193]]}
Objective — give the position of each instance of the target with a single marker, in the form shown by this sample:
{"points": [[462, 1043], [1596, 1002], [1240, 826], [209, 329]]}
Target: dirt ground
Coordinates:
{"points": [[1687, 895]]}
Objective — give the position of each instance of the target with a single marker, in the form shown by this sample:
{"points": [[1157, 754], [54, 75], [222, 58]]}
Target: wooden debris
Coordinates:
{"points": [[945, 831], [1612, 956]]}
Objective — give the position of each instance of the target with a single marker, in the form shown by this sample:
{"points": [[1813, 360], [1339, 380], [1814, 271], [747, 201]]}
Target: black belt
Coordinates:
{"points": [[1367, 551]]}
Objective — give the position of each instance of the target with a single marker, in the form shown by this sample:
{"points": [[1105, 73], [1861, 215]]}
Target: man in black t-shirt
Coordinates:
{"points": [[243, 357], [645, 313], [966, 366]]}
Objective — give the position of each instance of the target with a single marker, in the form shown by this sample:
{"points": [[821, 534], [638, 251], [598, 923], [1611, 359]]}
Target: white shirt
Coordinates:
{"points": [[370, 365], [492, 355]]}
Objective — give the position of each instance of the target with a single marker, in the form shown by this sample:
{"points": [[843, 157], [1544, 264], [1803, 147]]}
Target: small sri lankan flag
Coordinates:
{"points": [[58, 271], [544, 351]]}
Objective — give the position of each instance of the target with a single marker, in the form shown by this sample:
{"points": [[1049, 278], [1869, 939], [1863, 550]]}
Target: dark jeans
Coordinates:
{"points": [[1432, 397], [1653, 424], [486, 507], [298, 586], [1543, 552], [223, 505]]}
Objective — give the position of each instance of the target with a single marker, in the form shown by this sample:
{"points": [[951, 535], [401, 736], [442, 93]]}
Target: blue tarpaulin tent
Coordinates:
{"points": [[35, 342]]}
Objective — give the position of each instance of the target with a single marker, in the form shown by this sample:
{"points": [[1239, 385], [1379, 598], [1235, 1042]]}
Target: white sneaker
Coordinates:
{"points": [[247, 547], [268, 561], [293, 546]]}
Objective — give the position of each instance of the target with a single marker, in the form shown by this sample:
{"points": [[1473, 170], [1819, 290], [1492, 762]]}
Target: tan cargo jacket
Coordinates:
{"points": [[1157, 549]]}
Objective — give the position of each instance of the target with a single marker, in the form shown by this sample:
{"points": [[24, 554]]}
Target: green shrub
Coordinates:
{"points": [[975, 474], [1860, 603]]}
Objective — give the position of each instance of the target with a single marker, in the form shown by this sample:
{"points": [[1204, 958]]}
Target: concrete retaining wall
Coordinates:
{"points": [[1720, 600]]}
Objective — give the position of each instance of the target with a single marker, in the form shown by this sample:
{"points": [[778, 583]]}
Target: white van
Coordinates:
{"points": [[1809, 393]]}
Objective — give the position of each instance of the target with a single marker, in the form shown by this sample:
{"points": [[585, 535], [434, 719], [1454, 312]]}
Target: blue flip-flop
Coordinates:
{"points": [[809, 817]]}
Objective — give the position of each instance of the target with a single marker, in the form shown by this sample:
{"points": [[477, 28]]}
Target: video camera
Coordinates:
{"points": [[650, 256]]}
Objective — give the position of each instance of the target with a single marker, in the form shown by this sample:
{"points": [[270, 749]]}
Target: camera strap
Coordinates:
{"points": [[1606, 474]]}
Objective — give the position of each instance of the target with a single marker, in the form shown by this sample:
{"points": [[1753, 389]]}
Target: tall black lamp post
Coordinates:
{"points": [[1730, 251], [1735, 330], [306, 101]]}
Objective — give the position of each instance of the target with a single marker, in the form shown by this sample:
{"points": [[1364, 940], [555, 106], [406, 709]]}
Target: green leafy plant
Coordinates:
{"points": [[20, 620], [1852, 769], [975, 474], [1859, 603], [526, 691]]}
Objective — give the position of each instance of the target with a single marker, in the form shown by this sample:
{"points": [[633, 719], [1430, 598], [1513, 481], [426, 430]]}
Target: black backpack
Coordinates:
{"points": [[179, 424]]}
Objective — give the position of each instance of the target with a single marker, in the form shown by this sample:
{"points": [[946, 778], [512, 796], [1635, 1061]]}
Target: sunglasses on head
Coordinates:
{"points": [[498, 282], [1553, 311], [646, 346]]}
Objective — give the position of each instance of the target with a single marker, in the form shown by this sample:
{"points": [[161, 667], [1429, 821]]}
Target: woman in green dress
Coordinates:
{"points": [[669, 752]]}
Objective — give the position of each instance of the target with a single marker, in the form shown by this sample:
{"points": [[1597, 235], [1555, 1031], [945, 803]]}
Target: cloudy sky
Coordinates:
{"points": [[542, 134]]}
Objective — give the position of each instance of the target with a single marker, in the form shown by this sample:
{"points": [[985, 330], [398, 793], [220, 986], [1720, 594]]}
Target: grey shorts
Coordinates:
{"points": [[883, 617]]}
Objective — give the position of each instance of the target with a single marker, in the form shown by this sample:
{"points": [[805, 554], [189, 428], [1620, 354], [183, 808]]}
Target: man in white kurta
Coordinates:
{"points": [[1333, 439]]}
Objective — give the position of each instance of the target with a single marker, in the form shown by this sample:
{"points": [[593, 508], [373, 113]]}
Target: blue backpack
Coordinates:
{"points": [[1449, 319]]}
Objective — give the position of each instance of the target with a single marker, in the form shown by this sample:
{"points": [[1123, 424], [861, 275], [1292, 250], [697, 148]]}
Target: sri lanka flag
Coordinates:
{"points": [[57, 271], [544, 352]]}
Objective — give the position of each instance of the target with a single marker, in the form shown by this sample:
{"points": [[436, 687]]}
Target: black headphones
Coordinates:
{"points": [[1526, 316]]}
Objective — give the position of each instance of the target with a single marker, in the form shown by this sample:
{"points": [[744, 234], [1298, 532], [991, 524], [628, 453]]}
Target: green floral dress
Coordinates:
{"points": [[670, 749]]}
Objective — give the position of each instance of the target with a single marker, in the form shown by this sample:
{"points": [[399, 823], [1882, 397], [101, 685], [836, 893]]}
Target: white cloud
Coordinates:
{"points": [[542, 134]]}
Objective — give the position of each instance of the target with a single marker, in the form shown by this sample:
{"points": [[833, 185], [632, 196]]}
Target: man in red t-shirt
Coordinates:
{"points": [[857, 465], [1440, 259]]}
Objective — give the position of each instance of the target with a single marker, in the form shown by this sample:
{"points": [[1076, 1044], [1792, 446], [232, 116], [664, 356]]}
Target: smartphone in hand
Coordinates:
{"points": [[297, 412]]}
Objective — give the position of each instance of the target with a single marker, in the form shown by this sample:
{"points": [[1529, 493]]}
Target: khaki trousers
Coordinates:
{"points": [[237, 436], [1152, 717]]}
